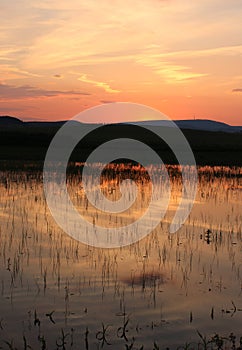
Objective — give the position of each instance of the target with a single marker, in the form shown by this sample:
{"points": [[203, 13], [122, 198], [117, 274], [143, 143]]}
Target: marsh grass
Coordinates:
{"points": [[57, 293]]}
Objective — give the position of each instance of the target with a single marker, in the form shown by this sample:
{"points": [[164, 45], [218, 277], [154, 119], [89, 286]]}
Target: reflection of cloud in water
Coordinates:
{"points": [[147, 279]]}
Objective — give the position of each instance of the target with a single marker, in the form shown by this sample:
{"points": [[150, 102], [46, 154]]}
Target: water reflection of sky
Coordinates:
{"points": [[166, 284]]}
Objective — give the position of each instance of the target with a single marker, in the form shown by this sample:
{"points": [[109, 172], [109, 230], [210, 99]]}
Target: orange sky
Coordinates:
{"points": [[181, 57]]}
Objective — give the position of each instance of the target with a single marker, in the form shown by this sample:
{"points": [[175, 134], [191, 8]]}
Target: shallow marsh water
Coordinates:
{"points": [[162, 289]]}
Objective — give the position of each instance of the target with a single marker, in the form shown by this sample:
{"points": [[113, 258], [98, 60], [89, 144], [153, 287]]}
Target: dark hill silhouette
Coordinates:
{"points": [[209, 125], [30, 140], [191, 124], [43, 124], [195, 124], [54, 124], [6, 120]]}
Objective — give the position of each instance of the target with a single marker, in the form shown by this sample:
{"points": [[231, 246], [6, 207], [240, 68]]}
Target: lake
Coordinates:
{"points": [[58, 293]]}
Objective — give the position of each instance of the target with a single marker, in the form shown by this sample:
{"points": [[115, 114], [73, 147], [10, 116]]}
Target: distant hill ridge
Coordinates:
{"points": [[213, 143], [193, 124], [7, 120]]}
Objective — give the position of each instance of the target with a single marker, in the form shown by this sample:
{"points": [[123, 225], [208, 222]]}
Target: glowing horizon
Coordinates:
{"points": [[182, 58]]}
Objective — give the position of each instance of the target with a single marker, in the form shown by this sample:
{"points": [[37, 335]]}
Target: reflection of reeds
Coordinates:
{"points": [[43, 264], [65, 341]]}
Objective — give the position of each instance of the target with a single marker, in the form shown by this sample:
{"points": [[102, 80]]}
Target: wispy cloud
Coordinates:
{"points": [[14, 109], [107, 101], [10, 72], [237, 90], [20, 92], [230, 50], [169, 72], [105, 86]]}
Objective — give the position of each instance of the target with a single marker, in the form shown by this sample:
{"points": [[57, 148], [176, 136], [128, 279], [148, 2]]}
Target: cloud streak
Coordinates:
{"points": [[20, 92], [105, 86], [107, 101], [237, 90], [168, 71]]}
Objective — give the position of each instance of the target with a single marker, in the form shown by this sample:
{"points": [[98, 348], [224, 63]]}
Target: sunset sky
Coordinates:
{"points": [[182, 57]]}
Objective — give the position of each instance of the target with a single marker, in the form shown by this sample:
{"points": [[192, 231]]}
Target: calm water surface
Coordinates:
{"points": [[163, 288]]}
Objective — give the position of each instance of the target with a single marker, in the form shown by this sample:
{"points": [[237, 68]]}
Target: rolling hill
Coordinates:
{"points": [[190, 124], [195, 124], [213, 143]]}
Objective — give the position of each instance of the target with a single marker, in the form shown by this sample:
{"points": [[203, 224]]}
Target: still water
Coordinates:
{"points": [[57, 293]]}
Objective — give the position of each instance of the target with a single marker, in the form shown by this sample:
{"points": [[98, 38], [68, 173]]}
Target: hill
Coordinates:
{"points": [[195, 124], [191, 124], [30, 141], [6, 120]]}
